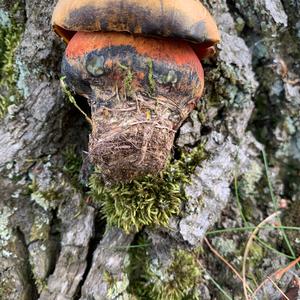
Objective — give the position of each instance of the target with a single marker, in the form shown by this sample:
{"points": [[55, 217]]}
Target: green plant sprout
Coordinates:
{"points": [[151, 81], [71, 98]]}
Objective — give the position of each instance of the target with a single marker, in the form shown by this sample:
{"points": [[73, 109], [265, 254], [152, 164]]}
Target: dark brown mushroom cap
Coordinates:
{"points": [[182, 19]]}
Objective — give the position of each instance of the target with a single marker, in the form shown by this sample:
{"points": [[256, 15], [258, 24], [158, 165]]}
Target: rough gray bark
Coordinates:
{"points": [[52, 249]]}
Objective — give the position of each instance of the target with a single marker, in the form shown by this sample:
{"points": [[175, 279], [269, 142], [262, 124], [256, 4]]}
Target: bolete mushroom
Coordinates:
{"points": [[136, 63]]}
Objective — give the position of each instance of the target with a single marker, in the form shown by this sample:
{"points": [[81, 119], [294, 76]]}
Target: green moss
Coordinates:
{"points": [[41, 284], [10, 35], [152, 200], [72, 165], [47, 198], [108, 278], [177, 281], [72, 100], [128, 79], [40, 228], [255, 260], [130, 206], [117, 285], [248, 208], [256, 254], [184, 275]]}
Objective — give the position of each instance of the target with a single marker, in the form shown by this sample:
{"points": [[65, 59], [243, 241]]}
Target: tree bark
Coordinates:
{"points": [[52, 245]]}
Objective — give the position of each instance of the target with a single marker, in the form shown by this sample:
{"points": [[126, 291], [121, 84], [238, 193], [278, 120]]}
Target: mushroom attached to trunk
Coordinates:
{"points": [[142, 78], [140, 90]]}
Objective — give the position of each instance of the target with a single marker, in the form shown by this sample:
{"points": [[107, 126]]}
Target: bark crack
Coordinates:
{"points": [[33, 290], [92, 247], [55, 236]]}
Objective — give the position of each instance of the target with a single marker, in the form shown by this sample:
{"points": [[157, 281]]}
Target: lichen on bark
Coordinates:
{"points": [[56, 244], [11, 29]]}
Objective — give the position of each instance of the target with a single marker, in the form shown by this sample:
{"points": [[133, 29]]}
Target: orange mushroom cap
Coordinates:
{"points": [[116, 48], [180, 19], [178, 53]]}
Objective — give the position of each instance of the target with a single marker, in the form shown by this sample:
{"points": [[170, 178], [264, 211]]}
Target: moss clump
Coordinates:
{"points": [[182, 278], [152, 200], [10, 35], [149, 280], [130, 206]]}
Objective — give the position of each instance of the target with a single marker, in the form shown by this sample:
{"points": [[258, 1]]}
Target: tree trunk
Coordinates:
{"points": [[54, 241]]}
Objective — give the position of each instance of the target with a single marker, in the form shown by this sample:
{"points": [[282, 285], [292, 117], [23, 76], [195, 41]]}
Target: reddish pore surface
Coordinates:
{"points": [[178, 52]]}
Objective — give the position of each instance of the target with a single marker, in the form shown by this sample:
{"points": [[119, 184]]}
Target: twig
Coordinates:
{"points": [[121, 109], [146, 140], [117, 93], [292, 82], [292, 264], [225, 261], [278, 288], [280, 273], [260, 286], [237, 197], [247, 249], [213, 281], [164, 127], [248, 228]]}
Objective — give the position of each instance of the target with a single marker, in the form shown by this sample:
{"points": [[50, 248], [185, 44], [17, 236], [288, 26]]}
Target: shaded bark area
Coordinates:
{"points": [[52, 245]]}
